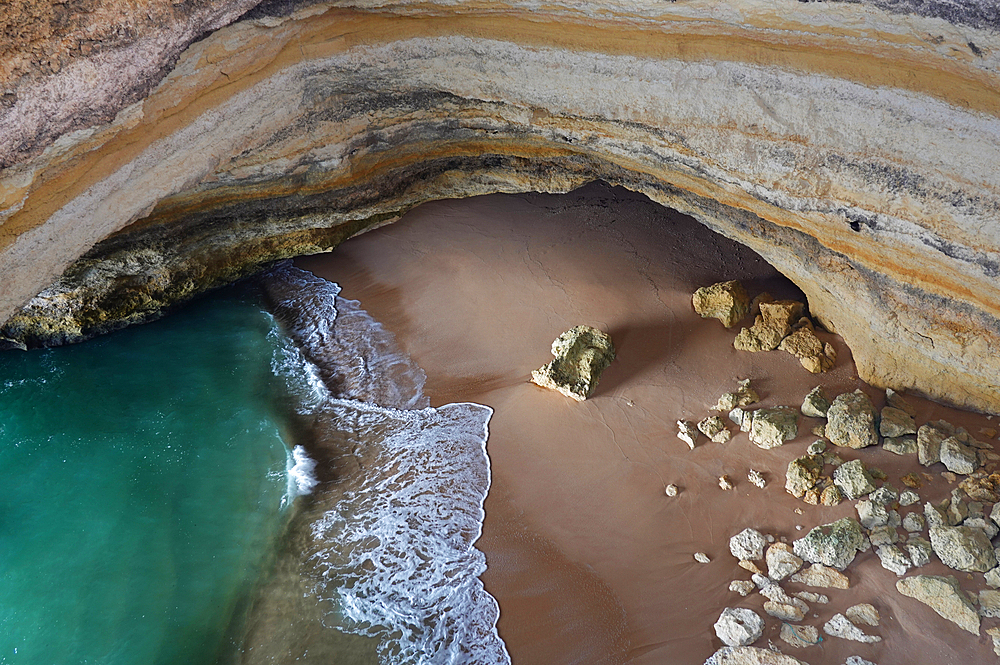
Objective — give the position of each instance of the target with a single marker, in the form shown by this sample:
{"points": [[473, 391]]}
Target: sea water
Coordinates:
{"points": [[142, 477]]}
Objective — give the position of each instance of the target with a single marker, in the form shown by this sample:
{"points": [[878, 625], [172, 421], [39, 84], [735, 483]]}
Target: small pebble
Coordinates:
{"points": [[949, 476], [798, 527], [756, 478], [672, 490], [701, 557], [725, 482]]}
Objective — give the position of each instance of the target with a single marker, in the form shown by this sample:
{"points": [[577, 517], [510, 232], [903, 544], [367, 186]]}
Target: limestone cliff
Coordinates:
{"points": [[854, 146]]}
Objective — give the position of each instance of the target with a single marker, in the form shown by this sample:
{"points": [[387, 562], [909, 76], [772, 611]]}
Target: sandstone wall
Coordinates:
{"points": [[854, 146]]}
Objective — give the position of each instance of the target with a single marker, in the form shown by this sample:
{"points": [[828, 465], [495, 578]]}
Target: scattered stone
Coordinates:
{"points": [[812, 353], [672, 490], [871, 515], [726, 483], [745, 395], [726, 301], [750, 656], [819, 430], [781, 561], [863, 613], [772, 427], [816, 403], [919, 550], [878, 474], [739, 626], [929, 438], [896, 422], [857, 660], [799, 636], [748, 545], [756, 478], [811, 597], [993, 577], [957, 510], [784, 611], [902, 445], [834, 544], [812, 498], [851, 421], [989, 603], [742, 418], [742, 587], [751, 566], [988, 432], [831, 496], [896, 401], [817, 447], [982, 487], [983, 524], [883, 535], [975, 507], [802, 474], [911, 480], [914, 522], [687, 432], [701, 557], [581, 355], [995, 634], [893, 559], [885, 495], [944, 596], [963, 548], [818, 575], [934, 515], [853, 479], [958, 457], [771, 326], [908, 498], [840, 627], [715, 429]]}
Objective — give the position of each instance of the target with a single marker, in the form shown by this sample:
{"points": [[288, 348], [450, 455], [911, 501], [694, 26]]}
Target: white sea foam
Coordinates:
{"points": [[394, 548], [301, 472]]}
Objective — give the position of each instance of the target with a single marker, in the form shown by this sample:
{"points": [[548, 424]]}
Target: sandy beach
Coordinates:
{"points": [[588, 558]]}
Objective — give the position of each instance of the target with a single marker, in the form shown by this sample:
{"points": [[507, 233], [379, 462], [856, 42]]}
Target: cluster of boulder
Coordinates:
{"points": [[777, 324]]}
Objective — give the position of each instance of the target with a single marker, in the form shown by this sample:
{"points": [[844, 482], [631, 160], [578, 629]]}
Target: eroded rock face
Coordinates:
{"points": [[581, 355], [267, 139]]}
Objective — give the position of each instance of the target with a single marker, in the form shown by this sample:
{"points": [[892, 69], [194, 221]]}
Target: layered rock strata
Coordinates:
{"points": [[848, 145]]}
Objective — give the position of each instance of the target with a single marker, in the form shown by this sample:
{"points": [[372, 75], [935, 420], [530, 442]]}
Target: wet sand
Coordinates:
{"points": [[589, 560]]}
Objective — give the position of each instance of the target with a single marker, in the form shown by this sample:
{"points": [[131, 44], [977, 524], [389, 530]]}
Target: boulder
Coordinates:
{"points": [[896, 422], [908, 498], [871, 515], [802, 474], [784, 611], [901, 445], [750, 656], [831, 496], [739, 626], [963, 548], [851, 421], [853, 479], [811, 597], [896, 401], [893, 559], [817, 447], [883, 535], [772, 427], [885, 495], [726, 301], [756, 478], [993, 577], [944, 596], [863, 613], [958, 457], [745, 395], [833, 545], [983, 524], [816, 403], [799, 637], [581, 355], [781, 561], [994, 634], [748, 545], [914, 522], [989, 603], [688, 433], [742, 587], [818, 575], [815, 355], [715, 429], [743, 418], [982, 487], [839, 626], [771, 326], [919, 550], [929, 438]]}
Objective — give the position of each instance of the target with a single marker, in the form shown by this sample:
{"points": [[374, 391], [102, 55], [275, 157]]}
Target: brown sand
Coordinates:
{"points": [[589, 560]]}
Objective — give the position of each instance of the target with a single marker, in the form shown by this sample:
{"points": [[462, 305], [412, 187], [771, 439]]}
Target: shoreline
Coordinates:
{"points": [[588, 558]]}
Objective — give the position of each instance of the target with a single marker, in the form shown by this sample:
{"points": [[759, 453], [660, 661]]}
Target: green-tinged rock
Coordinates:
{"points": [[802, 474], [581, 355], [853, 479], [851, 421], [833, 545], [770, 428], [944, 596], [963, 548], [726, 301]]}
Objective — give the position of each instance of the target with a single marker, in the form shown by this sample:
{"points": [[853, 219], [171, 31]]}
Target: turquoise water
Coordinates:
{"points": [[142, 478]]}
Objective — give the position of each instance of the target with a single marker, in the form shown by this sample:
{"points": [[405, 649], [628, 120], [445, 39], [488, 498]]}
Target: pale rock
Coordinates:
{"points": [[883, 535], [840, 627], [799, 637], [581, 355], [896, 422], [726, 483], [957, 510], [831, 496], [748, 545], [885, 495], [756, 478], [818, 575], [896, 401], [817, 447], [742, 418], [688, 433], [816, 403], [835, 544], [934, 515], [811, 597], [745, 395], [908, 498], [914, 522], [902, 445], [750, 656], [701, 557], [853, 479], [857, 660], [772, 427], [671, 490], [750, 566], [929, 438], [715, 429], [995, 634], [812, 353], [919, 550], [983, 524], [944, 596], [726, 301], [851, 421], [784, 611], [871, 515], [989, 603], [781, 561], [742, 587], [963, 548], [863, 613], [893, 559], [802, 474], [993, 577], [771, 326], [739, 626], [958, 457]]}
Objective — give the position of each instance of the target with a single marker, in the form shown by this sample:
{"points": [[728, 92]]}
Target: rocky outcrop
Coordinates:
{"points": [[581, 355], [142, 167]]}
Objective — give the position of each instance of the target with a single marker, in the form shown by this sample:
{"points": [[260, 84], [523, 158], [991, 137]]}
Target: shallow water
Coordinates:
{"points": [[141, 482]]}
